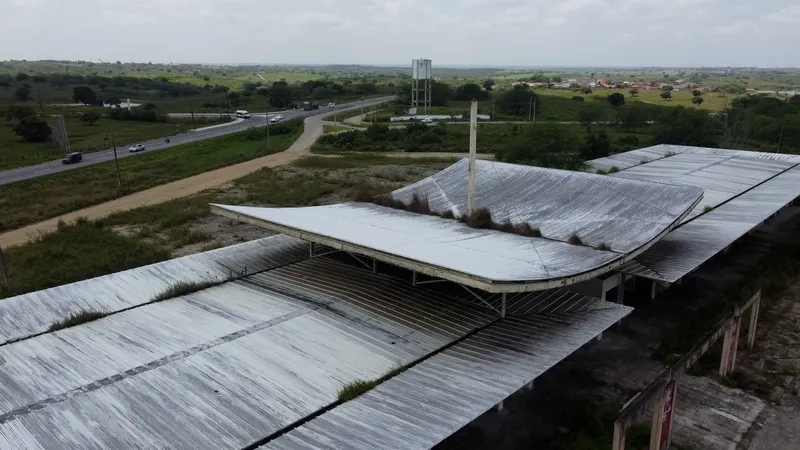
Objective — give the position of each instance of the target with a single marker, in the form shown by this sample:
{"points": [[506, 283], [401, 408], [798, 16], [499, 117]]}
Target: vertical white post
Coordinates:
{"points": [[473, 149], [751, 333]]}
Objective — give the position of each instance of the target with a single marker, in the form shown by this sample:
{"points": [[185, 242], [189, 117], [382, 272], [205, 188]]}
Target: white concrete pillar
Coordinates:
{"points": [[751, 333]]}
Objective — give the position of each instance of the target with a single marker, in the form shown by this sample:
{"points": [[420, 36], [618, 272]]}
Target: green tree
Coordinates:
{"points": [[321, 93], [84, 94], [545, 145], [19, 113], [697, 92], [667, 88], [595, 145], [633, 115], [471, 91], [441, 93], [23, 93], [697, 100], [32, 129], [518, 100], [22, 76], [616, 99], [489, 84], [114, 101], [666, 95], [682, 126], [90, 117], [586, 90], [280, 95], [591, 112], [634, 92], [5, 84]]}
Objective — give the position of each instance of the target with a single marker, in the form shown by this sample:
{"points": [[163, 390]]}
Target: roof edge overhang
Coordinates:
{"points": [[484, 284]]}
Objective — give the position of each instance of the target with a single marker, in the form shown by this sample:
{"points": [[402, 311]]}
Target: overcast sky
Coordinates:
{"points": [[471, 32]]}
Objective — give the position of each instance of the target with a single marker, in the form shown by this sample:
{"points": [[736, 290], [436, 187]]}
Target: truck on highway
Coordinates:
{"points": [[308, 106]]}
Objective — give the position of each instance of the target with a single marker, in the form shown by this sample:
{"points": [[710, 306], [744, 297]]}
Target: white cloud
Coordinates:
{"points": [[476, 32]]}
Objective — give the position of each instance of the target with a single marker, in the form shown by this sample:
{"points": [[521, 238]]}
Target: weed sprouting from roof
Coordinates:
{"points": [[708, 208], [419, 204], [183, 288], [77, 319], [613, 169], [604, 247], [480, 218], [575, 240]]}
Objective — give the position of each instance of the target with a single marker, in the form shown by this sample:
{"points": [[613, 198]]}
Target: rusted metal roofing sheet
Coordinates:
{"points": [[223, 367], [685, 249], [625, 215], [721, 177], [33, 313], [633, 158], [422, 406]]}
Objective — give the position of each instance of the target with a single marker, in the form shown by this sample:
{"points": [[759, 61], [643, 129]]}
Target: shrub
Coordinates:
{"points": [[77, 319], [480, 218], [708, 208], [525, 229], [352, 390], [601, 172], [604, 247], [614, 169], [419, 204], [575, 240]]}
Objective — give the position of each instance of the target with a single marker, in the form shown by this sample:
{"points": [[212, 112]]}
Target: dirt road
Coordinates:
{"points": [[176, 189]]}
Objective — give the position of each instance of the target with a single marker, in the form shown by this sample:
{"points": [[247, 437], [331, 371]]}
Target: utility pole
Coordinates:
{"points": [[494, 102], [534, 112], [530, 105], [5, 270], [473, 150], [194, 124], [267, 127], [39, 94], [780, 139], [116, 161]]}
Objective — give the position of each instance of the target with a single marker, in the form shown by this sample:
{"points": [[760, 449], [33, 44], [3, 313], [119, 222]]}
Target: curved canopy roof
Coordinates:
{"points": [[615, 219]]}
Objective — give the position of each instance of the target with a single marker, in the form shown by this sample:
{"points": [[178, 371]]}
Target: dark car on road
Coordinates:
{"points": [[72, 158]]}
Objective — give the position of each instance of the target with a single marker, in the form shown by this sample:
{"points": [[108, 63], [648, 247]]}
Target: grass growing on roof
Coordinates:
{"points": [[183, 288], [358, 387], [77, 319]]}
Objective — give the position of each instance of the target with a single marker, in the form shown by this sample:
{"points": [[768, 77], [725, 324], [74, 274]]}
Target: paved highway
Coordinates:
{"points": [[51, 167]]}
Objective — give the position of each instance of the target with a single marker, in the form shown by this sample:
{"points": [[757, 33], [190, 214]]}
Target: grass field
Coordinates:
{"points": [[34, 200], [712, 100], [83, 138], [73, 253], [333, 129]]}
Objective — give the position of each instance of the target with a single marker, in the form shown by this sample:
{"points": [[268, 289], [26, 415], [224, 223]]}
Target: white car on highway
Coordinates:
{"points": [[276, 118], [137, 148], [427, 120]]}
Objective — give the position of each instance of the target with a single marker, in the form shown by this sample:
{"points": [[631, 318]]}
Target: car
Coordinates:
{"points": [[427, 120], [72, 158], [137, 148], [242, 114], [276, 118], [331, 105]]}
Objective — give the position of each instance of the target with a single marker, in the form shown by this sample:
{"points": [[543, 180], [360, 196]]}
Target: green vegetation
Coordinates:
{"points": [[73, 253], [41, 198], [77, 319], [183, 288], [353, 389], [333, 129], [774, 273], [708, 208]]}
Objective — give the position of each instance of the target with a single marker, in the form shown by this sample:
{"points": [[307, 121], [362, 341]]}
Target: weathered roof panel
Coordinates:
{"points": [[223, 367], [422, 406], [685, 249], [626, 216], [32, 313]]}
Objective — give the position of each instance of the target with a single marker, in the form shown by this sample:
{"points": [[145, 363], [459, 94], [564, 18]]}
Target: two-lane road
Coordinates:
{"points": [[51, 167]]}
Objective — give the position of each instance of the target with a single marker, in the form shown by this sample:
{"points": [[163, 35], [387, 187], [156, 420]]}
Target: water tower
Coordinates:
{"points": [[421, 83]]}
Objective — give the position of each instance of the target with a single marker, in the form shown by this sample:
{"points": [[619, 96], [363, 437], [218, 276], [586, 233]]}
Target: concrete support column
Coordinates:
{"points": [[751, 333], [499, 407], [652, 291], [620, 435], [374, 266], [529, 386], [663, 413], [729, 347], [621, 289]]}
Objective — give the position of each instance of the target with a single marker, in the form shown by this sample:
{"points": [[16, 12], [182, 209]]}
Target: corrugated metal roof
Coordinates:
{"points": [[627, 215], [422, 406], [685, 249], [32, 313], [632, 158], [720, 177], [223, 367], [624, 214]]}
